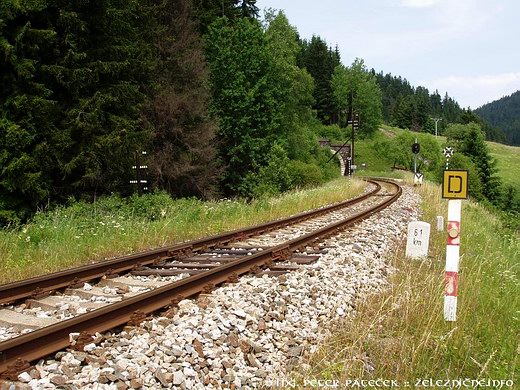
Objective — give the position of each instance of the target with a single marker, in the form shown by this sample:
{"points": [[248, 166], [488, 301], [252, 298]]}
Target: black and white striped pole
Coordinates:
{"points": [[448, 152], [140, 181], [355, 127]]}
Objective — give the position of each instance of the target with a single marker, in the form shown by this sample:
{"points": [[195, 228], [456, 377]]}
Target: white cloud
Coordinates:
{"points": [[477, 90], [418, 3], [466, 16]]}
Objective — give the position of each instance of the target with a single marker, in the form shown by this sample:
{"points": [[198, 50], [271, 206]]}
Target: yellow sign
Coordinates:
{"points": [[455, 185]]}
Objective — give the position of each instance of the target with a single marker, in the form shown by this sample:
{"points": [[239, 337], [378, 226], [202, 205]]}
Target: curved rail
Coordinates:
{"points": [[39, 285], [18, 351]]}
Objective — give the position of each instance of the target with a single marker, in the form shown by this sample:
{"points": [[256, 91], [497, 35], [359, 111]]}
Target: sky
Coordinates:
{"points": [[468, 48]]}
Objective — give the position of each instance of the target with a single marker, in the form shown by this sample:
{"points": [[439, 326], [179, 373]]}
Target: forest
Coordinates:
{"points": [[504, 114], [196, 98]]}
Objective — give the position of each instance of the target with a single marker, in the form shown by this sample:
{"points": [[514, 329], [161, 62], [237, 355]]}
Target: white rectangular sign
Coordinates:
{"points": [[418, 239]]}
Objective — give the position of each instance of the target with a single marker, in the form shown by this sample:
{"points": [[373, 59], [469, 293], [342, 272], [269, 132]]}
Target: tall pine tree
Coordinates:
{"points": [[31, 142], [184, 160], [320, 61]]}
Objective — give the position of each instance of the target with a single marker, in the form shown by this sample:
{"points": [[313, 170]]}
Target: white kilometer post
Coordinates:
{"points": [[452, 260], [418, 239]]}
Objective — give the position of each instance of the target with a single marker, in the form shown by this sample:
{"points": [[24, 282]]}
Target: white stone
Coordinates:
{"points": [[178, 377], [296, 313], [24, 377], [89, 347]]}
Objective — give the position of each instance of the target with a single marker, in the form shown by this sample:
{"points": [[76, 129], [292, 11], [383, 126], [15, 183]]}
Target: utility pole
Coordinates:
{"points": [[436, 121]]}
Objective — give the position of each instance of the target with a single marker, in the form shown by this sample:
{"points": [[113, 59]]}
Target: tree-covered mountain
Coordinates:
{"points": [[415, 108], [504, 114]]}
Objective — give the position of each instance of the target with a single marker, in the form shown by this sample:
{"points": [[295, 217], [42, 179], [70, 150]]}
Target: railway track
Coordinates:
{"points": [[178, 271]]}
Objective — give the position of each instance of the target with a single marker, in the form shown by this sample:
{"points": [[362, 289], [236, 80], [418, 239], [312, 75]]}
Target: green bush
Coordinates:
{"points": [[274, 177], [334, 133], [304, 174]]}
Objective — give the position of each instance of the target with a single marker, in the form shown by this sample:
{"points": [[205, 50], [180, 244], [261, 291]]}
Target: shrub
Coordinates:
{"points": [[304, 174]]}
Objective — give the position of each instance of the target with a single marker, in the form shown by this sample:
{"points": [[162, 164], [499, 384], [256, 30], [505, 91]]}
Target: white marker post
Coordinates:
{"points": [[452, 260], [418, 239], [440, 223]]}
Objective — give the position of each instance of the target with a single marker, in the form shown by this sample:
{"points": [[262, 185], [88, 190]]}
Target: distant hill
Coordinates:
{"points": [[504, 114]]}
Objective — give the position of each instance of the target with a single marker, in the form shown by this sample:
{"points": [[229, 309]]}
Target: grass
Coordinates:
{"points": [[84, 233], [401, 335], [508, 163], [367, 153]]}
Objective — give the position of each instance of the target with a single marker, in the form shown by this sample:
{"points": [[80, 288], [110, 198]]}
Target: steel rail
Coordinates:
{"points": [[27, 288], [44, 341]]}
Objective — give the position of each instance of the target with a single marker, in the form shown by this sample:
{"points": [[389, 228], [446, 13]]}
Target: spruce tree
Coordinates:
{"points": [[320, 61], [31, 143], [105, 72], [184, 160]]}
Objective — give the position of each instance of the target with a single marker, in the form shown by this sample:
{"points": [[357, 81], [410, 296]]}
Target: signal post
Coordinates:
{"points": [[454, 188]]}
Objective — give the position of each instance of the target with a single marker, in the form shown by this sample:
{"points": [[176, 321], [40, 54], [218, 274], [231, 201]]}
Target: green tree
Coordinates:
{"points": [[74, 77], [399, 149], [504, 118], [422, 108], [31, 144], [243, 98], [357, 82], [294, 85], [320, 61], [207, 11], [104, 70], [248, 9]]}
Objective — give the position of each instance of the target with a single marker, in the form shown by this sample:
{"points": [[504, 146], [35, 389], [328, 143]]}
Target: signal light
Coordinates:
{"points": [[415, 148]]}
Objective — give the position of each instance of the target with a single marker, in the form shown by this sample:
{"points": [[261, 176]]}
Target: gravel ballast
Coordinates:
{"points": [[243, 335]]}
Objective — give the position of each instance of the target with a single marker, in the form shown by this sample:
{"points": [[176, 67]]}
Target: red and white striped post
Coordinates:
{"points": [[452, 260]]}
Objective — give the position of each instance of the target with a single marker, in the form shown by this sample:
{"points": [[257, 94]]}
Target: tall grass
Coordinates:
{"points": [[508, 163], [401, 334], [83, 233]]}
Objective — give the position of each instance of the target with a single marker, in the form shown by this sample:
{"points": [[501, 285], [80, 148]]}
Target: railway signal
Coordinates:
{"points": [[454, 188], [448, 152], [355, 127], [140, 181], [415, 150]]}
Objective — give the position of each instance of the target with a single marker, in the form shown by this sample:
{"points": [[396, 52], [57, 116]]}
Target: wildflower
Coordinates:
{"points": [[28, 238]]}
